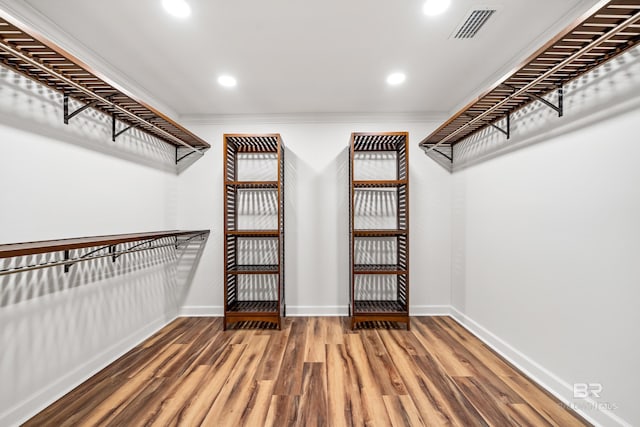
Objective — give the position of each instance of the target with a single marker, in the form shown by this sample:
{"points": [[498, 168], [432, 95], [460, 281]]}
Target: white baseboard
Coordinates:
{"points": [[429, 310], [311, 310], [202, 311], [536, 372], [54, 391]]}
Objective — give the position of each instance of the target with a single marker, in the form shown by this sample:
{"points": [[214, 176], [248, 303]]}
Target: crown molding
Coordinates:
{"points": [[313, 118]]}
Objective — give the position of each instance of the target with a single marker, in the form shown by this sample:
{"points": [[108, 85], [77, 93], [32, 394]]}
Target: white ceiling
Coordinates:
{"points": [[302, 56]]}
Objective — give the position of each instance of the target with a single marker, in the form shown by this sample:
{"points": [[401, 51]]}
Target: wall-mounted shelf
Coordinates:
{"points": [[378, 233], [605, 31], [253, 233], [254, 269], [378, 184], [26, 51], [254, 229], [256, 184], [379, 269], [379, 254], [106, 246]]}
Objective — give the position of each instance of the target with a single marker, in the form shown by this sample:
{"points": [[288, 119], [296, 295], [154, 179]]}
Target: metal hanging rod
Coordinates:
{"points": [[95, 96], [72, 261], [190, 238]]}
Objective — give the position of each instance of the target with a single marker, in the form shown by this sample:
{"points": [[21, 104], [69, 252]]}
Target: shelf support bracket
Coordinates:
{"points": [[506, 130], [112, 251], [178, 243], [114, 132], [68, 116], [178, 159], [557, 108], [444, 155]]}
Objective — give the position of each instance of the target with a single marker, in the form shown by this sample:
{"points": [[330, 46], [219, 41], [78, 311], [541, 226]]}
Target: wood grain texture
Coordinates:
{"points": [[313, 372]]}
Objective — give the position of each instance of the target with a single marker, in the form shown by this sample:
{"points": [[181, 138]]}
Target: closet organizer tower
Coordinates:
{"points": [[253, 229], [379, 228]]}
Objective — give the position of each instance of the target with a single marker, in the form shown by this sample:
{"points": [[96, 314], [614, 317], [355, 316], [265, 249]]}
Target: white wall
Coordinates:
{"points": [[62, 181], [52, 189], [316, 215], [546, 244]]}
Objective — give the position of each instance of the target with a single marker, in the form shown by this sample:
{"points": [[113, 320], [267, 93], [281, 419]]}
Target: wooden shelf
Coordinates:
{"points": [[254, 269], [237, 311], [397, 286], [379, 233], [379, 184], [253, 233], [378, 269], [605, 31], [250, 307], [112, 246], [267, 185], [46, 246], [26, 51], [379, 141], [380, 307], [254, 143]]}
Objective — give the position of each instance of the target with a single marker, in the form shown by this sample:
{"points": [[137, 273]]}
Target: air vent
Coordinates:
{"points": [[472, 23]]}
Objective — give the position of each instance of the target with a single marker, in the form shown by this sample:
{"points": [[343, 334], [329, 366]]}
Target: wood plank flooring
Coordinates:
{"points": [[314, 372]]}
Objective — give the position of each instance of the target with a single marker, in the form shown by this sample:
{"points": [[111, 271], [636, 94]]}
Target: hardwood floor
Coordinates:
{"points": [[315, 372]]}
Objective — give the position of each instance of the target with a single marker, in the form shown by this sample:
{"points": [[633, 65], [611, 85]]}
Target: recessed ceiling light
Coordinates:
{"points": [[435, 7], [395, 79], [177, 8], [227, 81]]}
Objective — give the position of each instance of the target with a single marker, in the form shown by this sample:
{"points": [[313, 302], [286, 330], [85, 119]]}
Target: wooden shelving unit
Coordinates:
{"points": [[379, 227], [253, 228], [26, 51]]}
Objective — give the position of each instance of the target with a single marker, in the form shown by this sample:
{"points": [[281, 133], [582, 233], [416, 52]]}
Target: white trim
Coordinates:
{"points": [[54, 391], [202, 311], [546, 379], [429, 310], [312, 310]]}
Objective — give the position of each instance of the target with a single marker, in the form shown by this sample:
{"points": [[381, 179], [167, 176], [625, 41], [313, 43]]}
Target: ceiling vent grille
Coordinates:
{"points": [[473, 22]]}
